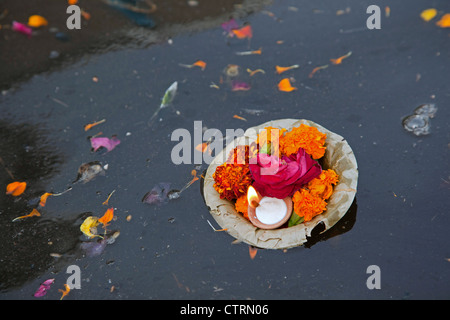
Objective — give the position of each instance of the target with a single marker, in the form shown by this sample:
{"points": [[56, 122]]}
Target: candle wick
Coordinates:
{"points": [[255, 204]]}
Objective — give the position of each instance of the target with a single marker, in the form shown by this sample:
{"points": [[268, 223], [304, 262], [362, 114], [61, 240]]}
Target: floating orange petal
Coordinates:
{"points": [[202, 147], [280, 70], [339, 60], [107, 217], [65, 292], [200, 63], [317, 69], [31, 214], [86, 15], [238, 117], [445, 21], [16, 188], [37, 21], [244, 32], [44, 197], [70, 2], [252, 252], [90, 125], [105, 203], [285, 85]]}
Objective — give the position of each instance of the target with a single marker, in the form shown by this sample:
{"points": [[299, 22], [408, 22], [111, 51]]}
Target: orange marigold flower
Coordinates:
{"points": [[242, 205], [273, 136], [232, 180], [322, 186], [306, 205], [306, 137]]}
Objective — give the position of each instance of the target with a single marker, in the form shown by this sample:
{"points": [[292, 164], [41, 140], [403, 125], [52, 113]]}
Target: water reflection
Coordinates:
{"points": [[29, 247], [107, 25]]}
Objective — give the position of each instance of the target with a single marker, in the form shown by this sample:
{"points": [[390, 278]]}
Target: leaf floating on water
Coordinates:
{"points": [[167, 99], [16, 188], [444, 22], [89, 227], [158, 194], [88, 171], [43, 288], [339, 60], [428, 14], [37, 21], [31, 214], [103, 142], [285, 85]]}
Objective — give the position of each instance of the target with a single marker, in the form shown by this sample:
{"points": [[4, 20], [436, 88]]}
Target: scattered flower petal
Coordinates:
{"points": [[244, 32], [31, 214], [21, 28], [252, 252], [65, 292], [428, 14], [445, 21], [317, 69], [230, 25], [90, 125], [107, 217], [89, 227], [94, 248], [16, 188], [339, 60], [247, 53], [280, 70], [37, 21], [103, 142], [239, 86], [285, 85], [239, 117], [43, 288], [199, 63], [252, 73]]}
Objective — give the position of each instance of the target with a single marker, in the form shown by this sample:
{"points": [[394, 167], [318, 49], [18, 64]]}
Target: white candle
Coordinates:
{"points": [[271, 210]]}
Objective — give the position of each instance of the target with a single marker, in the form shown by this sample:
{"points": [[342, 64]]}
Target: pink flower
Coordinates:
{"points": [[21, 28], [280, 178], [107, 143]]}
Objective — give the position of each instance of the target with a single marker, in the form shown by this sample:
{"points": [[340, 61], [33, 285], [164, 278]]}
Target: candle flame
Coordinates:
{"points": [[252, 197]]}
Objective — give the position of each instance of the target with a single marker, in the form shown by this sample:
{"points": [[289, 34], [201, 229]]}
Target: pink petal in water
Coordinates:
{"points": [[43, 288], [240, 86], [21, 28], [107, 143]]}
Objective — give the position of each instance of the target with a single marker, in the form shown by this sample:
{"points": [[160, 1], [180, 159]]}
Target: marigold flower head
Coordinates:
{"points": [[272, 136], [322, 186], [242, 205], [306, 137], [306, 205], [232, 180]]}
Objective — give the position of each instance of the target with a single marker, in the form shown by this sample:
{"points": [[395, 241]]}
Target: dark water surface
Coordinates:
{"points": [[399, 220]]}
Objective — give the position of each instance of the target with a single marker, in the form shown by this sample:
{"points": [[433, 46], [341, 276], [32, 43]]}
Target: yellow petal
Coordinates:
{"points": [[88, 223], [37, 21], [428, 14]]}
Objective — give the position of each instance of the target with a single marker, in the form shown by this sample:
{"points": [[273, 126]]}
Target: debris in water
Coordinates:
{"points": [[167, 99], [88, 171], [43, 288], [158, 195], [419, 122]]}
